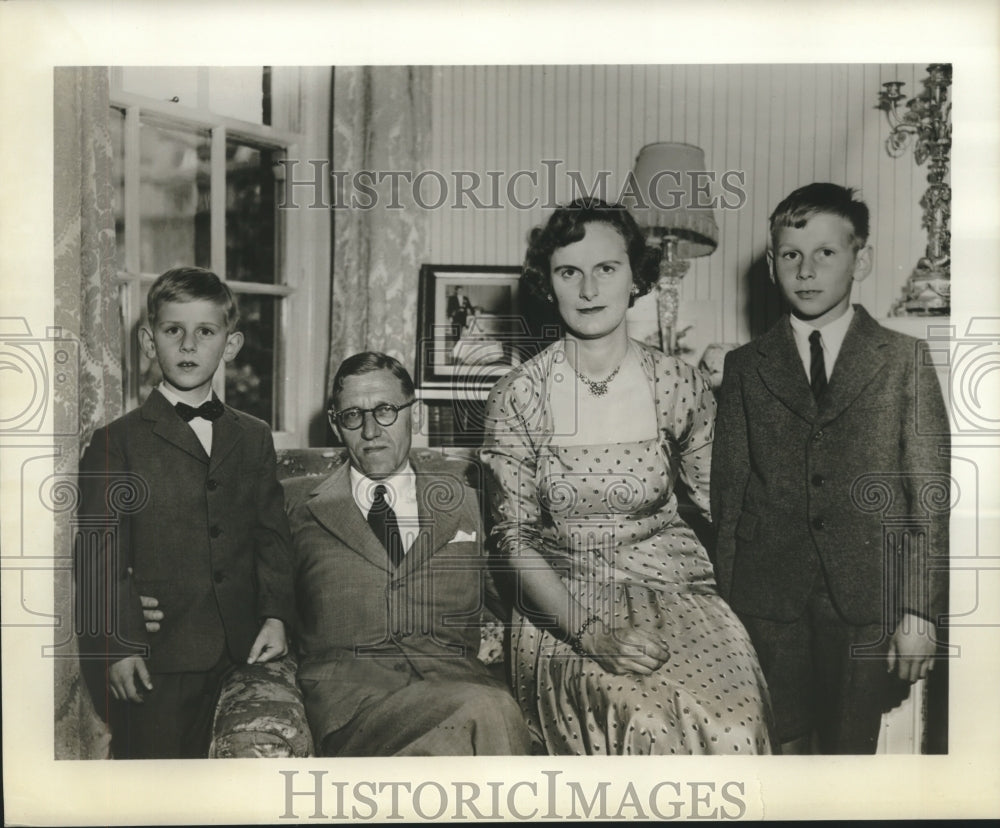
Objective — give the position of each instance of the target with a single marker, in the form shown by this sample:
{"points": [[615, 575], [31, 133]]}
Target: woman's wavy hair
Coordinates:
{"points": [[568, 225]]}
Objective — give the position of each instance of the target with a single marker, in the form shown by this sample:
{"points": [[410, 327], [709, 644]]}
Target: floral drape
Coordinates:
{"points": [[87, 311], [381, 120]]}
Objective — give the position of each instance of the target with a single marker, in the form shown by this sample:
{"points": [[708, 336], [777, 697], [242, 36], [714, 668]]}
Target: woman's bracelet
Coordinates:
{"points": [[574, 640]]}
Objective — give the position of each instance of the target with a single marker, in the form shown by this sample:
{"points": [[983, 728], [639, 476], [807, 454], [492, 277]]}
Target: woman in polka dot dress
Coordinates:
{"points": [[620, 642]]}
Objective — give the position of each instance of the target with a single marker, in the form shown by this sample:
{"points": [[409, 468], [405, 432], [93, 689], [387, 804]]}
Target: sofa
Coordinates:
{"points": [[260, 712]]}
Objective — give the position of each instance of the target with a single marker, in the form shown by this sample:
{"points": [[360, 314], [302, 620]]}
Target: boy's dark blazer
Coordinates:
{"points": [[798, 488], [207, 537]]}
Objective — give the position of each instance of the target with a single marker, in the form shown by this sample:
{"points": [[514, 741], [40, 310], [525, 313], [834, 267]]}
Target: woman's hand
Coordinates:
{"points": [[627, 650]]}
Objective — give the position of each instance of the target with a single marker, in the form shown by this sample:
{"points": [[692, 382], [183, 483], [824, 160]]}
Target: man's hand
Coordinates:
{"points": [[122, 679], [911, 650], [270, 642], [151, 614]]}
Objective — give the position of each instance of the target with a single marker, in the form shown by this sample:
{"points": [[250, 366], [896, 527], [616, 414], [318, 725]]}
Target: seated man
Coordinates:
{"points": [[391, 578]]}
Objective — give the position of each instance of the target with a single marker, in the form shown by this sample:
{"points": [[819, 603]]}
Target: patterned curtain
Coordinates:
{"points": [[86, 308], [381, 120]]}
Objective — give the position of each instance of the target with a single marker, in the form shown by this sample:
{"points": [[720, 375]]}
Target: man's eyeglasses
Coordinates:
{"points": [[385, 414]]}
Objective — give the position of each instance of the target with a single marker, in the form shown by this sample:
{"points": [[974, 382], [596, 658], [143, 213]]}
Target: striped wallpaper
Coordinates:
{"points": [[781, 125]]}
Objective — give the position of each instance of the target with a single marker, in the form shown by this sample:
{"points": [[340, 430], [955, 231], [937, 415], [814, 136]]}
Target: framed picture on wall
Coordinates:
{"points": [[470, 329]]}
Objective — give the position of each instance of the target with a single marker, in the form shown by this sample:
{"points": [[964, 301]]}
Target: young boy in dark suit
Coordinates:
{"points": [[189, 486], [825, 404]]}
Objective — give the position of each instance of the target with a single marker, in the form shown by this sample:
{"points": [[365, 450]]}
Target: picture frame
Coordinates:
{"points": [[471, 329]]}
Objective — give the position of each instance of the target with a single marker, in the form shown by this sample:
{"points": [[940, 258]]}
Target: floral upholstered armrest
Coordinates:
{"points": [[260, 713]]}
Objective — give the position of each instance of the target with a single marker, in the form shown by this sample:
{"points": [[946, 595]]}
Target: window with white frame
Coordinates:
{"points": [[195, 152]]}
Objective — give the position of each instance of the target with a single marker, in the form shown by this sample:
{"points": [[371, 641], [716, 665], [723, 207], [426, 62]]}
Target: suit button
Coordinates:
{"points": [[212, 485], [818, 435], [215, 531], [819, 524], [396, 585], [818, 480], [219, 576]]}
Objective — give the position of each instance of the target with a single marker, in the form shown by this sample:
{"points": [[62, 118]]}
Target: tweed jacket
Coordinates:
{"points": [[358, 617], [206, 536], [800, 489]]}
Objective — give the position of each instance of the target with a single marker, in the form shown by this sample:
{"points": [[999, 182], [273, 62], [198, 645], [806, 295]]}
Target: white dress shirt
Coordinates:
{"points": [[202, 428], [401, 493], [831, 337]]}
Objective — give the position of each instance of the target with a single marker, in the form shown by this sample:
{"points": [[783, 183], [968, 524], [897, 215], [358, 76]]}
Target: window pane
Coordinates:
{"points": [[175, 214], [250, 378], [251, 213], [116, 126], [177, 84], [237, 92]]}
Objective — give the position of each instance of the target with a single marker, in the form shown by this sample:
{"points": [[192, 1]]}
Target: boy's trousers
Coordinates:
{"points": [[826, 676], [174, 720]]}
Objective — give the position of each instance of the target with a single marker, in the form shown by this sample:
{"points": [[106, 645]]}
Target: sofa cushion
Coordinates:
{"points": [[260, 713]]}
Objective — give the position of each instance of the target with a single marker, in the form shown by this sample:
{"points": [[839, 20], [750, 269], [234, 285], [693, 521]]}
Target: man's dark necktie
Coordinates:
{"points": [[817, 366], [210, 410], [382, 520]]}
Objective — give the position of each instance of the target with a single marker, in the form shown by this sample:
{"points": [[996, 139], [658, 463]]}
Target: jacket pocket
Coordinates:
{"points": [[746, 526]]}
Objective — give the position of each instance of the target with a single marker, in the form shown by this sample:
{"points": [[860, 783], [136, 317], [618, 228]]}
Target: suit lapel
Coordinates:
{"points": [[861, 357], [333, 506], [438, 505], [781, 370], [226, 433], [168, 425]]}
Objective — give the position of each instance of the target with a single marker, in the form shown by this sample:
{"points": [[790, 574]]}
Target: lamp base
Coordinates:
{"points": [[672, 270]]}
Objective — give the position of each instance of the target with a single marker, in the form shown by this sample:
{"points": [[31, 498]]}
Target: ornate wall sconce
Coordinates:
{"points": [[925, 122]]}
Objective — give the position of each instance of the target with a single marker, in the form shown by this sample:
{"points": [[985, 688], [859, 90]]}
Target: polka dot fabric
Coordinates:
{"points": [[605, 517]]}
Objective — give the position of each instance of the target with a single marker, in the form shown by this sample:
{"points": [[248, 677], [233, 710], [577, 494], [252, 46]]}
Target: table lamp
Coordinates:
{"points": [[675, 208]]}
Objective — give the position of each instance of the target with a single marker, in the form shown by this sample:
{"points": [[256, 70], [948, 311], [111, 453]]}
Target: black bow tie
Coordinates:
{"points": [[210, 410]]}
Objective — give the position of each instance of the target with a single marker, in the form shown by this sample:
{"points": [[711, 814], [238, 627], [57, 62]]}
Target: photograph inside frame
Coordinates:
{"points": [[409, 247]]}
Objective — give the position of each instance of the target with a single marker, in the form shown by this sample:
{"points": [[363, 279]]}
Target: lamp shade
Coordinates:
{"points": [[674, 199]]}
